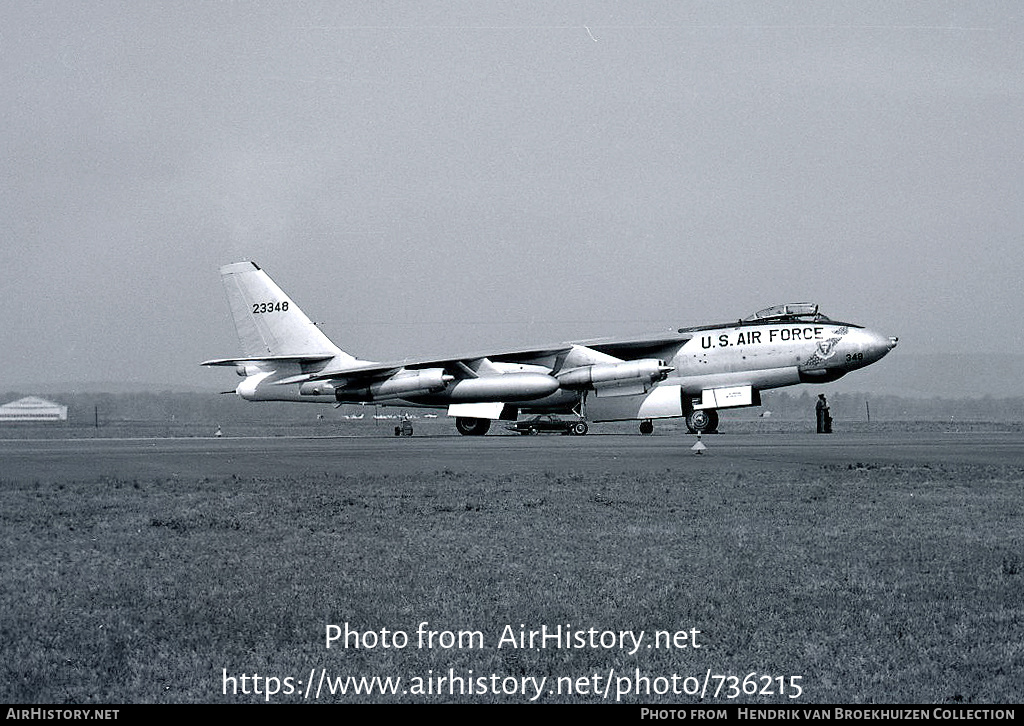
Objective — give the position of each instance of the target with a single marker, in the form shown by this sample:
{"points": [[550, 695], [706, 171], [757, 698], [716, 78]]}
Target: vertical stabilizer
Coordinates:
{"points": [[267, 321]]}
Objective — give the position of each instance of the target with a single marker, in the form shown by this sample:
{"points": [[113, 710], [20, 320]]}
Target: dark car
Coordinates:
{"points": [[549, 425]]}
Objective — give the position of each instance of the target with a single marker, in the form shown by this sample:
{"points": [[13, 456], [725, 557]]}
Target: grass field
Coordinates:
{"points": [[892, 584]]}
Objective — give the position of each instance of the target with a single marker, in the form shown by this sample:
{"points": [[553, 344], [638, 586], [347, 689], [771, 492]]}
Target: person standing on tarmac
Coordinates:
{"points": [[821, 412]]}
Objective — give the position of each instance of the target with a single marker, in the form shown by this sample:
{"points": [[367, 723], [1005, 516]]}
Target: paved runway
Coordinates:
{"points": [[83, 459]]}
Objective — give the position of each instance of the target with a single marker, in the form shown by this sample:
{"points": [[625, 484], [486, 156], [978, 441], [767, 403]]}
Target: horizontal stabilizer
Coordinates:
{"points": [[267, 359]]}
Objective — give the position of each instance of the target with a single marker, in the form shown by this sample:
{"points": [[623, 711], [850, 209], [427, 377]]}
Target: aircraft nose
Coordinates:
{"points": [[875, 345]]}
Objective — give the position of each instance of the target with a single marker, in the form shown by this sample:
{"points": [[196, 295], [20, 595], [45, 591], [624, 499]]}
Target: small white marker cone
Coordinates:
{"points": [[699, 447]]}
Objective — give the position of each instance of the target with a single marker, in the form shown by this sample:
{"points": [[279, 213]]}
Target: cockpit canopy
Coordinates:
{"points": [[803, 312], [789, 311]]}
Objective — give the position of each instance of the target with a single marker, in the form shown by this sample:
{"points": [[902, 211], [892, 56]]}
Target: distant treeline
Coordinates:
{"points": [[858, 406], [90, 409]]}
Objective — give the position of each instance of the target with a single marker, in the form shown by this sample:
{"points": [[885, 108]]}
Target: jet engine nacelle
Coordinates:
{"points": [[400, 385], [607, 375]]}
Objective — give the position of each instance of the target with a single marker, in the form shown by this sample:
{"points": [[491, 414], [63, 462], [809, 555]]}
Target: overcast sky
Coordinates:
{"points": [[431, 178]]}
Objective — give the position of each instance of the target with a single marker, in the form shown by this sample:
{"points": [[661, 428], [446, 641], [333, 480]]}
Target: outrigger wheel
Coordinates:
{"points": [[702, 421], [647, 427], [472, 426]]}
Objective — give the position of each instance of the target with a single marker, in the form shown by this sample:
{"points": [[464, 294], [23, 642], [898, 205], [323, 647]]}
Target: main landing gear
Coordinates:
{"points": [[702, 421], [472, 426]]}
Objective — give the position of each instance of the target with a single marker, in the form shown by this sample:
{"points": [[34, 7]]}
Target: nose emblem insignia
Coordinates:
{"points": [[827, 348]]}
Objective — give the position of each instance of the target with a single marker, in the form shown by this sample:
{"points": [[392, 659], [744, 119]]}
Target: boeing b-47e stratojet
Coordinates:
{"points": [[691, 373]]}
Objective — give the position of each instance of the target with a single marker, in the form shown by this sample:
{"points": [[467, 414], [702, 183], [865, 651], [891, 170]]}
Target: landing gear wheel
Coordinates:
{"points": [[647, 427], [702, 421], [579, 428], [472, 426]]}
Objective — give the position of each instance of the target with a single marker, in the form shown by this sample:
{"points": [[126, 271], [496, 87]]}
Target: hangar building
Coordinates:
{"points": [[33, 410]]}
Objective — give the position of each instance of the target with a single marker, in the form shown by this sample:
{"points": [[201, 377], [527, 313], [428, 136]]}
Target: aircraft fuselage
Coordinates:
{"points": [[759, 356]]}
